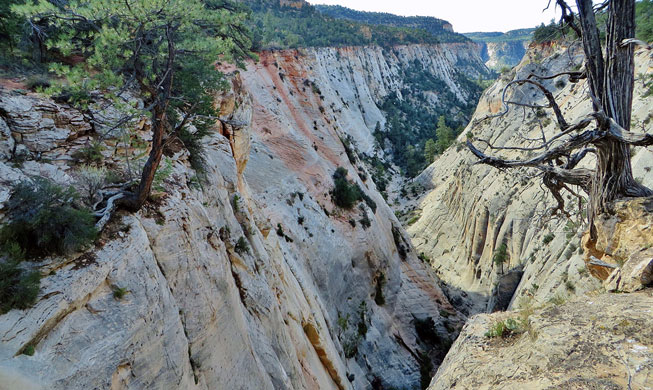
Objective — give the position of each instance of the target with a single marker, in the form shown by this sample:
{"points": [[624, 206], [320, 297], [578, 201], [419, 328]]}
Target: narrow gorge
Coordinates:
{"points": [[253, 274]]}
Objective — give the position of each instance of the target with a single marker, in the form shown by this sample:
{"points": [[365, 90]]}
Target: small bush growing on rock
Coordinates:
{"points": [[44, 219], [29, 350], [241, 246], [504, 329], [89, 181], [18, 287], [91, 153], [548, 238], [119, 292], [344, 193]]}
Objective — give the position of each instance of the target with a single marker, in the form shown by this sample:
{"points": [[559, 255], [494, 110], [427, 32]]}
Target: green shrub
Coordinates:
{"points": [[161, 174], [424, 257], [500, 254], [119, 292], [91, 153], [18, 287], [43, 219], [548, 238], [344, 193], [29, 350], [504, 329], [242, 245]]}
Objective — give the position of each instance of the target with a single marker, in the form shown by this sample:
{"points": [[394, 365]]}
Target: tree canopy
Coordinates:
{"points": [[165, 50]]}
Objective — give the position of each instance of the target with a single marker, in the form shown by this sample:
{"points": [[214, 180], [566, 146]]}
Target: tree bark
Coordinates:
{"points": [[611, 84], [160, 125]]}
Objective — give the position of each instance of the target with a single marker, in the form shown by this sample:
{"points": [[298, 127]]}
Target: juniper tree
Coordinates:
{"points": [[604, 132], [164, 49]]}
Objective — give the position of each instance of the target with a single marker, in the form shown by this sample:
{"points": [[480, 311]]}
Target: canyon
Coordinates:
{"points": [[319, 297]]}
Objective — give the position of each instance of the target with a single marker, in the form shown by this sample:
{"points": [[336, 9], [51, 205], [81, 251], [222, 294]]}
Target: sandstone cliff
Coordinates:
{"points": [[313, 301], [470, 210], [595, 341], [500, 54]]}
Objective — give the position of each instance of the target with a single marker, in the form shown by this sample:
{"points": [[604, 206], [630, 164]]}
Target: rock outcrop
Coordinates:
{"points": [[501, 54], [318, 298], [592, 342], [470, 210]]}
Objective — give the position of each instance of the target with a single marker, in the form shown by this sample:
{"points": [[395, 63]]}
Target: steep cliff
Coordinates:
{"points": [[597, 340], [499, 49], [470, 210], [501, 54], [254, 279]]}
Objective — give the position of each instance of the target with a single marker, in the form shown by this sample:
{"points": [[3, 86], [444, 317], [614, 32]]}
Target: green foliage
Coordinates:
{"points": [[193, 143], [557, 299], [10, 25], [644, 20], [119, 292], [29, 350], [352, 336], [345, 194], [411, 122], [166, 49], [523, 34], [434, 26], [445, 136], [504, 329], [430, 150], [276, 26], [547, 33], [500, 254], [90, 154], [19, 288], [235, 203], [162, 174], [43, 219], [548, 238], [399, 242], [422, 256], [241, 246]]}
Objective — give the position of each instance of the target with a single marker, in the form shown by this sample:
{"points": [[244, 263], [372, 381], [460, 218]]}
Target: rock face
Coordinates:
{"points": [[594, 342], [469, 210], [499, 54], [319, 298]]}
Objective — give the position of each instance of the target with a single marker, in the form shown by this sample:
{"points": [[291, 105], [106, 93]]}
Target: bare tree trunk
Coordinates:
{"points": [[136, 200], [160, 124], [611, 81]]}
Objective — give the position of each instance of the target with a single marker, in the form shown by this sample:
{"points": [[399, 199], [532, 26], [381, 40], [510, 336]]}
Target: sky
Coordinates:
{"points": [[464, 15]]}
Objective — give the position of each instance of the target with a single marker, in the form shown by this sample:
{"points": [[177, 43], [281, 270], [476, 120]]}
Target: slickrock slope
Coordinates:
{"points": [[313, 303], [593, 342], [470, 210]]}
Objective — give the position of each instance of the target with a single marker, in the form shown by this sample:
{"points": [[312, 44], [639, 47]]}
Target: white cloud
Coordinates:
{"points": [[464, 15]]}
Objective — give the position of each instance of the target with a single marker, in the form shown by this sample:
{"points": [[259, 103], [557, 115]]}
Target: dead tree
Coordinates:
{"points": [[605, 132]]}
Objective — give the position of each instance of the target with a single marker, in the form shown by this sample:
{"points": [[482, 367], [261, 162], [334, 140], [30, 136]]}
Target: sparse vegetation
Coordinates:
{"points": [[548, 238], [345, 194], [500, 255], [19, 287], [29, 350], [505, 329], [45, 218], [119, 292], [241, 245]]}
